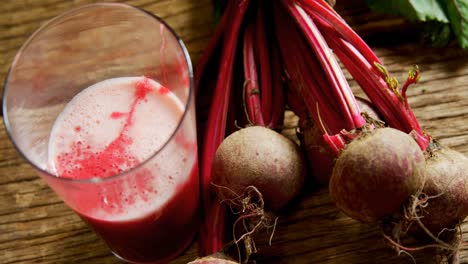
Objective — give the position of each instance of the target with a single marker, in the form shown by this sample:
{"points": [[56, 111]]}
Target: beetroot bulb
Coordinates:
{"points": [[320, 158], [260, 157], [443, 204], [256, 172], [217, 258], [376, 173]]}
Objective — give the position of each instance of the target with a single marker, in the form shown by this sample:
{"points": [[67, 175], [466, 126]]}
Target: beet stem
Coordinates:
{"points": [[396, 112], [212, 233], [335, 76], [278, 101], [413, 77], [335, 142], [263, 60], [252, 92], [304, 74], [356, 55], [320, 9]]}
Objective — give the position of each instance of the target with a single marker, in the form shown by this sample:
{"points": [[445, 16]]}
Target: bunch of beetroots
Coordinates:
{"points": [[379, 164]]}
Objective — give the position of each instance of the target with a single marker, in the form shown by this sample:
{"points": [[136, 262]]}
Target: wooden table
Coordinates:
{"points": [[36, 227]]}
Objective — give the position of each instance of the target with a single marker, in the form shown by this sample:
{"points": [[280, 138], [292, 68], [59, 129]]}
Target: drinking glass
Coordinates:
{"points": [[147, 213]]}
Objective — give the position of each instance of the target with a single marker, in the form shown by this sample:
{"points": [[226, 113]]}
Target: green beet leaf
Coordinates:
{"points": [[414, 10], [437, 34], [444, 19], [457, 11]]}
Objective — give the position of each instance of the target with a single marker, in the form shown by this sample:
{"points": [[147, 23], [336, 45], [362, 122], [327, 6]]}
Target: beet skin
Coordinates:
{"points": [[376, 174]]}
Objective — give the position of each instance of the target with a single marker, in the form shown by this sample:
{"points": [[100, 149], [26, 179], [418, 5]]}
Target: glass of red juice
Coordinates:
{"points": [[100, 101]]}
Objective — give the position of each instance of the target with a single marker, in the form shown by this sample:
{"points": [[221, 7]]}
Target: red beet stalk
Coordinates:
{"points": [[305, 76], [324, 11], [335, 76], [375, 81], [278, 102], [263, 89], [263, 60], [330, 81], [213, 222], [267, 59], [251, 87]]}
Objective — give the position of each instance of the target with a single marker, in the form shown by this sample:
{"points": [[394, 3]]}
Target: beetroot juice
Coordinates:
{"points": [[133, 152]]}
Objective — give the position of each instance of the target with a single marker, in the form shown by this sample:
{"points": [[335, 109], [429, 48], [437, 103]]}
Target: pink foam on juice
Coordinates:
{"points": [[88, 153], [110, 128]]}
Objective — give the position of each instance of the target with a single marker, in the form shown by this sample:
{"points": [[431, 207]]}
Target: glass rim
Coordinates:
{"points": [[145, 161]]}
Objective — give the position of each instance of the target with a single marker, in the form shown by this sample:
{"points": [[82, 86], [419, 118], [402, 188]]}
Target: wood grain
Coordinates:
{"points": [[36, 227]]}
